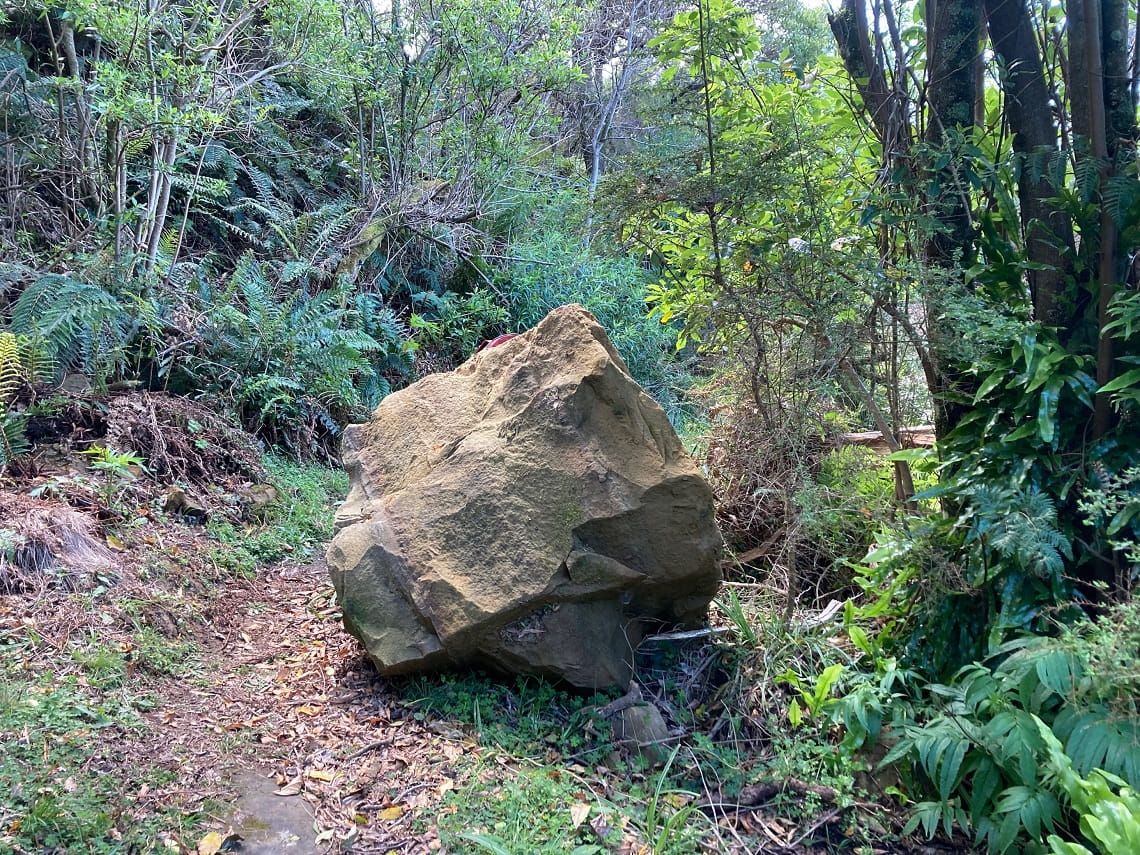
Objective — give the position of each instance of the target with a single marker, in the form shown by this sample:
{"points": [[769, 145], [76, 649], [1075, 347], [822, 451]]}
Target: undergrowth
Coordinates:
{"points": [[527, 718], [60, 737], [296, 524]]}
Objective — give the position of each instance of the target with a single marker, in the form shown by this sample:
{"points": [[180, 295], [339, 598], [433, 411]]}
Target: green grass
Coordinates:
{"points": [[530, 810], [296, 524], [527, 718], [59, 738], [547, 738], [524, 813]]}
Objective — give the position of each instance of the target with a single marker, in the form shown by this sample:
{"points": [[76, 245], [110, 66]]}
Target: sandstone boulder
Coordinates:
{"points": [[532, 511]]}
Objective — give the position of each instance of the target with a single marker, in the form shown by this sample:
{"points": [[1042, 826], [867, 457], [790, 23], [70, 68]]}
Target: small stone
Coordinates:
{"points": [[641, 729]]}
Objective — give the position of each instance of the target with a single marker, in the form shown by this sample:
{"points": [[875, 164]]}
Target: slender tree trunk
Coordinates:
{"points": [[953, 44], [166, 167], [1048, 232], [1098, 127]]}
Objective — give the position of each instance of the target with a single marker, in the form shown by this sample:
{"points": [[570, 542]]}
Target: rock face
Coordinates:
{"points": [[531, 511]]}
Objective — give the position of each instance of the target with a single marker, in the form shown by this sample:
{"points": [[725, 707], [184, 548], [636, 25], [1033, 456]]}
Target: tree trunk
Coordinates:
{"points": [[1048, 232], [953, 44]]}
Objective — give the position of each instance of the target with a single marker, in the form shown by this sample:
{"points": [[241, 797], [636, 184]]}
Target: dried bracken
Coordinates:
{"points": [[46, 543], [180, 440]]}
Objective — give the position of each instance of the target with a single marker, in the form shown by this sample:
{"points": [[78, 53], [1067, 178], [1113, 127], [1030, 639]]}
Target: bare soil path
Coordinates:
{"points": [[288, 699]]}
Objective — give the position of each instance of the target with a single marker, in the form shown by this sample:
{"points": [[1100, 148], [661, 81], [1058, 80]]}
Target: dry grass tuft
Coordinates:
{"points": [[46, 536]]}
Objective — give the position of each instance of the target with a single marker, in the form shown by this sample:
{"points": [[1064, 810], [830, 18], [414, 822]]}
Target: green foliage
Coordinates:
{"points": [[454, 325], [1111, 504], [844, 504], [668, 828], [295, 525], [1109, 809], [977, 736], [77, 325], [118, 470], [550, 269], [160, 655], [976, 744], [528, 718], [530, 811], [53, 730], [13, 440], [1014, 491], [288, 362], [527, 813], [731, 606]]}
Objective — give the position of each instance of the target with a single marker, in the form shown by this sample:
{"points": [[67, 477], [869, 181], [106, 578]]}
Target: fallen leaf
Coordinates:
{"points": [[578, 813], [210, 844], [320, 775], [393, 812], [291, 789], [601, 827]]}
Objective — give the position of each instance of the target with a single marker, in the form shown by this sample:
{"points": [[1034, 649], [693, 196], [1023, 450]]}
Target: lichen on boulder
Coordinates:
{"points": [[532, 511]]}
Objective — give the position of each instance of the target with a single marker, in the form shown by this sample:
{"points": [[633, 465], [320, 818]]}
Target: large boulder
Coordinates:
{"points": [[531, 511]]}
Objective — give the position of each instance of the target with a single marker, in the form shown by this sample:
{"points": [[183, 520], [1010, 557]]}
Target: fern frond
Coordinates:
{"points": [[72, 319], [264, 189], [230, 226], [11, 367], [1120, 195], [13, 437]]}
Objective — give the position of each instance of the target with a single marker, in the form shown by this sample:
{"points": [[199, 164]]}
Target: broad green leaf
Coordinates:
{"points": [[1047, 409], [950, 767], [989, 384], [1026, 430], [1122, 518], [1125, 380], [909, 455], [860, 640], [795, 714]]}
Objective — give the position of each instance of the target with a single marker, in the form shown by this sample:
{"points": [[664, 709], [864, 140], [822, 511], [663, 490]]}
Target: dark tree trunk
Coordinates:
{"points": [[953, 45], [1048, 231], [1120, 105]]}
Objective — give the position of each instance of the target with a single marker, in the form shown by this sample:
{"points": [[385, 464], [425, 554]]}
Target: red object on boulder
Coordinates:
{"points": [[496, 341]]}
